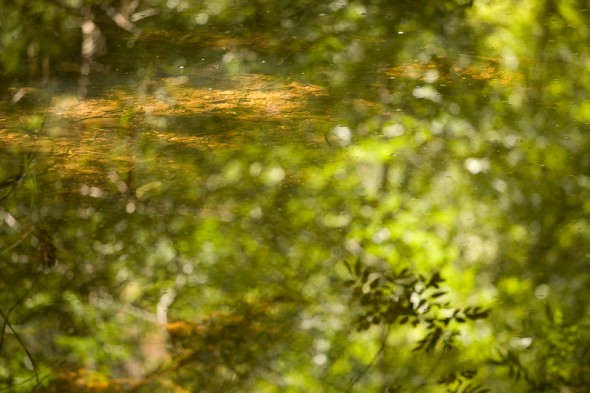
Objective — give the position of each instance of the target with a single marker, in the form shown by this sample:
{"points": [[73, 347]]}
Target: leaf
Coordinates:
{"points": [[469, 374], [429, 342], [549, 313], [447, 379], [365, 299], [358, 267], [476, 313], [435, 280], [390, 317], [404, 272], [364, 325], [347, 266], [390, 278], [438, 294], [434, 339], [365, 276], [472, 388], [420, 345], [375, 283], [349, 283], [358, 290]]}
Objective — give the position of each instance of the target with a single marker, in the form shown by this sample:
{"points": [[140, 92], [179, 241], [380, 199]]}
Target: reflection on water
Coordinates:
{"points": [[165, 116], [121, 188], [250, 196]]}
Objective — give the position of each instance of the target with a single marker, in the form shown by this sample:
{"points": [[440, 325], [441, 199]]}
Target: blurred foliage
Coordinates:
{"points": [[227, 195]]}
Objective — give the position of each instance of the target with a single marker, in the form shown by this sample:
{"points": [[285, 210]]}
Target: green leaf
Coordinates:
{"points": [[365, 276], [438, 294], [358, 290], [364, 325], [365, 299], [549, 313], [374, 283], [404, 273], [435, 280], [347, 266], [476, 313], [358, 267]]}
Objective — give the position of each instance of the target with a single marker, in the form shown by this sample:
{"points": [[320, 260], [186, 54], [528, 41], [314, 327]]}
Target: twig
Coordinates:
{"points": [[364, 372], [22, 239], [18, 301], [23, 345], [430, 372], [12, 181], [16, 335]]}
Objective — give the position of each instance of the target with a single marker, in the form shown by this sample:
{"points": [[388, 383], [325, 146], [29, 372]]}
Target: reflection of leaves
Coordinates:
{"points": [[357, 267], [549, 313], [236, 340], [437, 294], [474, 388], [12, 181], [474, 313], [435, 280], [511, 361], [403, 297], [462, 382], [394, 389], [429, 342]]}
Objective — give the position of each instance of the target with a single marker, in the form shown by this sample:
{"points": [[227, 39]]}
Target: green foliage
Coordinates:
{"points": [[463, 383], [407, 297], [422, 227]]}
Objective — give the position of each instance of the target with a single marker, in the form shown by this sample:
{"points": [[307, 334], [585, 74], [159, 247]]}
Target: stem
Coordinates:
{"points": [[430, 372], [16, 335], [371, 363]]}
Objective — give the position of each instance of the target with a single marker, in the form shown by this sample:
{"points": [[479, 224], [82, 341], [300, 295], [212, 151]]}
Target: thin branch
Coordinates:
{"points": [[430, 372], [23, 345], [11, 309], [375, 358], [22, 239], [13, 181], [24, 381], [16, 335]]}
